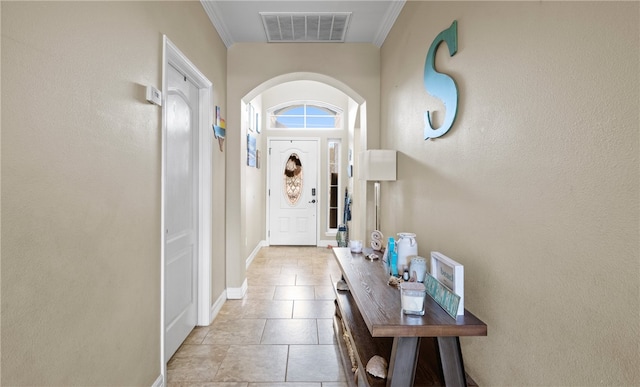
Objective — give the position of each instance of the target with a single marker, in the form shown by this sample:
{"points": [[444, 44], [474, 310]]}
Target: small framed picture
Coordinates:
{"points": [[451, 274]]}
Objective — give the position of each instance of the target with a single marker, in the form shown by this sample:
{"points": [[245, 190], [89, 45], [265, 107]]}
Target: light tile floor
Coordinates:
{"points": [[280, 334]]}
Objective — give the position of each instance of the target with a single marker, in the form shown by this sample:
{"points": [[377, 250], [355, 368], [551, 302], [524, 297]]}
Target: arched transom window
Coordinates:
{"points": [[305, 115]]}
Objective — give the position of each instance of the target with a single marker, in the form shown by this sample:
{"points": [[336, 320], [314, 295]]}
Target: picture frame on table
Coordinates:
{"points": [[451, 274]]}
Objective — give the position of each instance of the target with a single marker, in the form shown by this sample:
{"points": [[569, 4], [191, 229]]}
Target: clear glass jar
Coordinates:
{"points": [[418, 268]]}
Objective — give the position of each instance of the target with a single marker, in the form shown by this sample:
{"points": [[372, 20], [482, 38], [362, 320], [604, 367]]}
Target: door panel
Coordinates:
{"points": [[180, 210], [293, 187]]}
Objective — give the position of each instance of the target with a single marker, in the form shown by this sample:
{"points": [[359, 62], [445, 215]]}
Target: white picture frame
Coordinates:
{"points": [[451, 274]]}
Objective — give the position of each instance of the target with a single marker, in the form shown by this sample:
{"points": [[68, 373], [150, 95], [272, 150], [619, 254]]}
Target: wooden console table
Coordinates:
{"points": [[421, 350]]}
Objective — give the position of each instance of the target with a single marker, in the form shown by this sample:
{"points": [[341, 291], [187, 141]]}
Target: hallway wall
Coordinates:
{"points": [[315, 91], [81, 170], [251, 65], [535, 188]]}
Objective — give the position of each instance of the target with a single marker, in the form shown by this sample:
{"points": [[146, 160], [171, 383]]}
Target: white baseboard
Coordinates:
{"points": [[215, 308], [327, 243], [254, 253], [158, 382], [237, 293]]}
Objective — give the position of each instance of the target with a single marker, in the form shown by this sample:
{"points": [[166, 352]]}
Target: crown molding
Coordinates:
{"points": [[212, 10], [389, 19]]}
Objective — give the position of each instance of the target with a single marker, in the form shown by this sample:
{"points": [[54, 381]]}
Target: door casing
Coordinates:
{"points": [[172, 55]]}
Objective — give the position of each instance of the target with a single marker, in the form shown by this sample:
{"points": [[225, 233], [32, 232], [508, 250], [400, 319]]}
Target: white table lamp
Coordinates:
{"points": [[378, 165]]}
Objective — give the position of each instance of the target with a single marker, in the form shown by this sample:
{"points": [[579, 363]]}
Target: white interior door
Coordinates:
{"points": [[293, 200], [181, 206]]}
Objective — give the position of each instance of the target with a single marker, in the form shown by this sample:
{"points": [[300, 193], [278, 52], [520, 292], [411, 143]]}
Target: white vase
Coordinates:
{"points": [[407, 247]]}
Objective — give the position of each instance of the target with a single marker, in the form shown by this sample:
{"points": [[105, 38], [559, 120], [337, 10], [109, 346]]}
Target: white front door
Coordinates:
{"points": [[293, 192], [181, 208]]}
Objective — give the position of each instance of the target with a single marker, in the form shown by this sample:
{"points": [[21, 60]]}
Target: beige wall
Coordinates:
{"points": [[81, 159], [254, 68], [535, 188]]}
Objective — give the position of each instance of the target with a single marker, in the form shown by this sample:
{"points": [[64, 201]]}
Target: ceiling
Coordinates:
{"points": [[240, 21]]}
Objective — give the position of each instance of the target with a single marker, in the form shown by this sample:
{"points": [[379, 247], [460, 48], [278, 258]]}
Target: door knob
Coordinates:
{"points": [[313, 201]]}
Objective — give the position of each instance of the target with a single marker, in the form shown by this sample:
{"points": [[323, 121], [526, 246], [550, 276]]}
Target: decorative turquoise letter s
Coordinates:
{"points": [[441, 85]]}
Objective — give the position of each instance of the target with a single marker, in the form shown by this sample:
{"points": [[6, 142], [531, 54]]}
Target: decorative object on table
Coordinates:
{"points": [[440, 85], [394, 281], [448, 300], [392, 256], [377, 366], [355, 246], [418, 268], [376, 240], [412, 298], [373, 256], [378, 165], [451, 274], [407, 247]]}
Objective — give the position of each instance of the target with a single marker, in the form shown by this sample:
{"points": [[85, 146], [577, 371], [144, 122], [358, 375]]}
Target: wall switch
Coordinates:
{"points": [[154, 96]]}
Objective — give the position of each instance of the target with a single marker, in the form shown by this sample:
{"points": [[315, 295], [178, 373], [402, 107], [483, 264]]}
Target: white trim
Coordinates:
{"points": [[254, 253], [204, 205], [389, 19], [159, 382], [212, 10], [327, 243], [237, 293], [172, 55], [215, 308]]}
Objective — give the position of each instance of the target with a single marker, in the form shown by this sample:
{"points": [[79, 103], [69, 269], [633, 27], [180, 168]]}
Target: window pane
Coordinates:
{"points": [[321, 122], [303, 116], [333, 160], [292, 110], [313, 110], [289, 122]]}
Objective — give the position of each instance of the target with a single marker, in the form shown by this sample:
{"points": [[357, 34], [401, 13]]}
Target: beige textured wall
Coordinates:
{"points": [[252, 67], [535, 188], [81, 159]]}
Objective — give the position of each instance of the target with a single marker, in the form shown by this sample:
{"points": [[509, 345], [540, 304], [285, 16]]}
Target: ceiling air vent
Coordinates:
{"points": [[305, 27]]}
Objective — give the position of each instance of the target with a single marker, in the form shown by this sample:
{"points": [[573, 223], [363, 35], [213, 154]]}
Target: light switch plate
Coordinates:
{"points": [[154, 95]]}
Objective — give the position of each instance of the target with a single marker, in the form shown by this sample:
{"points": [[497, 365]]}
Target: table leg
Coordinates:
{"points": [[451, 358], [404, 357]]}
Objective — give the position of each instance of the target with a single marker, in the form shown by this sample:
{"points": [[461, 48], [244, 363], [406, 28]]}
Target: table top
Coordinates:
{"points": [[379, 304]]}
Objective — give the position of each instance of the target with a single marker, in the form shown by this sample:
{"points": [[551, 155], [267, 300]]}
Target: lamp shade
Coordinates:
{"points": [[378, 165]]}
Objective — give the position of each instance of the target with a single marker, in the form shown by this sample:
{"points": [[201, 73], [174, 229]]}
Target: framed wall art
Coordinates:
{"points": [[251, 150]]}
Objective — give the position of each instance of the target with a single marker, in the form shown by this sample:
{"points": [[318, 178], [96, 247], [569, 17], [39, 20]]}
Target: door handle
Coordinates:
{"points": [[313, 201]]}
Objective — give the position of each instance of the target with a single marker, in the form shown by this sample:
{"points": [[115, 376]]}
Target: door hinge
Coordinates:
{"points": [[269, 151], [269, 194]]}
